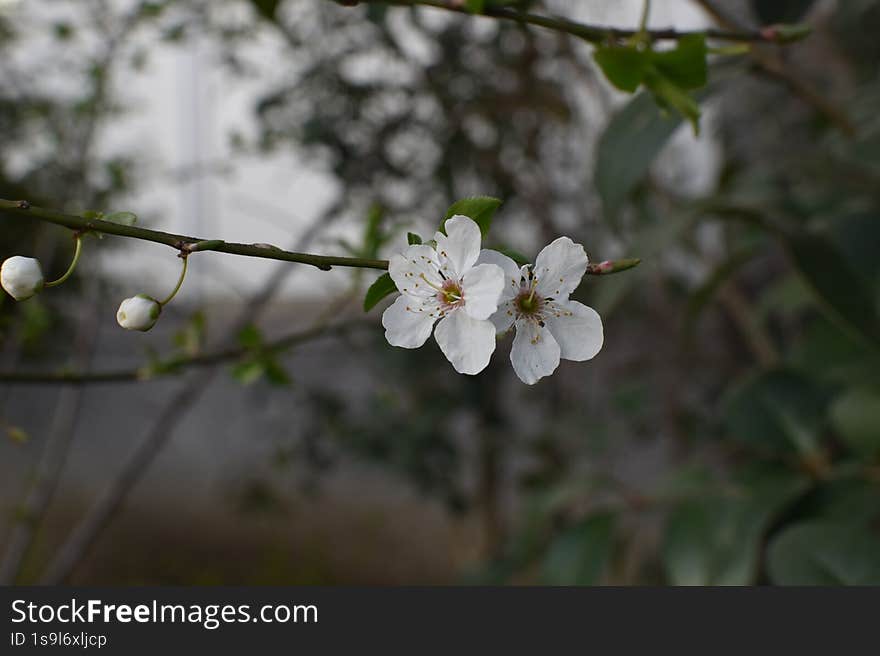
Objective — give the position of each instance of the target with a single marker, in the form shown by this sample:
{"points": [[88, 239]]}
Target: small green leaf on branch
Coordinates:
{"points": [[383, 286]]}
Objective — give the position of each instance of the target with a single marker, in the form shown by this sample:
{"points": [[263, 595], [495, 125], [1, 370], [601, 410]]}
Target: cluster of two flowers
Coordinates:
{"points": [[472, 295], [469, 293]]}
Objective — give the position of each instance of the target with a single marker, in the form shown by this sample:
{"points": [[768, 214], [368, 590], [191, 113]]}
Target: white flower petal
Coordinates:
{"points": [[407, 268], [511, 271], [559, 268], [405, 325], [460, 246], [504, 317], [535, 353], [466, 342], [481, 287], [577, 328]]}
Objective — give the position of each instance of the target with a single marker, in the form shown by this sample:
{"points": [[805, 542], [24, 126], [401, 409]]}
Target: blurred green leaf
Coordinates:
{"points": [[855, 501], [191, 338], [17, 434], [715, 540], [250, 337], [855, 416], [624, 66], [858, 238], [670, 96], [580, 554], [267, 8], [413, 239], [633, 138], [685, 65], [36, 324], [777, 409], [842, 293], [781, 11], [700, 298], [825, 553], [248, 372], [275, 372], [480, 208], [382, 287], [825, 352]]}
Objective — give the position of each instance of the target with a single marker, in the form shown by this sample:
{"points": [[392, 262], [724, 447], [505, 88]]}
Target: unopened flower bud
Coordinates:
{"points": [[138, 312], [21, 277]]}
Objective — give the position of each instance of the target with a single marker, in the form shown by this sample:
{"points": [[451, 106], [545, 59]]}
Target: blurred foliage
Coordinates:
{"points": [[729, 432]]}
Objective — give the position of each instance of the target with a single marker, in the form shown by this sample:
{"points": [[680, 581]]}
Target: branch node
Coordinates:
{"points": [[23, 205]]}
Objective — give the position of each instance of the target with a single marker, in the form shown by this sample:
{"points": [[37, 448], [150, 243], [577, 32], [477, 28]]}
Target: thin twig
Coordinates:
{"points": [[188, 245], [183, 242], [591, 33], [773, 68], [175, 365]]}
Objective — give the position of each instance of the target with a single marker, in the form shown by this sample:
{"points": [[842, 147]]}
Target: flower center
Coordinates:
{"points": [[529, 304], [450, 294]]}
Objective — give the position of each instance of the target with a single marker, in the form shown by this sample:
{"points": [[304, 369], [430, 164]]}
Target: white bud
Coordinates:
{"points": [[138, 312], [21, 277]]}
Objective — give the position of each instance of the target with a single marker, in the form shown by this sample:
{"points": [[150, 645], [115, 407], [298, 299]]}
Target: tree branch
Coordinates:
{"points": [[195, 244], [174, 364], [183, 242], [591, 33]]}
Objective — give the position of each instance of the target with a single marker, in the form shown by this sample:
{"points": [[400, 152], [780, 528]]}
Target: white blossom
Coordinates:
{"points": [[441, 284], [138, 312], [535, 300], [21, 277]]}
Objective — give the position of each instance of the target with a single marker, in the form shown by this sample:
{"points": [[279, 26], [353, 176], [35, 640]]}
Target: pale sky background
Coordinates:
{"points": [[180, 112]]}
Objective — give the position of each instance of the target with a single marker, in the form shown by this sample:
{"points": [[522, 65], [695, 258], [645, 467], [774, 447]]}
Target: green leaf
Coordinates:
{"points": [[580, 554], [122, 218], [248, 372], [267, 8], [250, 337], [825, 553], [480, 208], [383, 286], [475, 6], [191, 337], [841, 292], [17, 434], [668, 95], [685, 65], [413, 239], [781, 11], [274, 372], [855, 416], [825, 352], [715, 540], [627, 148], [856, 500], [779, 410], [624, 66]]}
